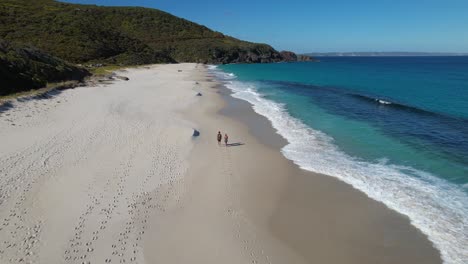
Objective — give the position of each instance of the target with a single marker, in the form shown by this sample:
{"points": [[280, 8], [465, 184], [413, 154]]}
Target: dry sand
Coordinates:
{"points": [[112, 174]]}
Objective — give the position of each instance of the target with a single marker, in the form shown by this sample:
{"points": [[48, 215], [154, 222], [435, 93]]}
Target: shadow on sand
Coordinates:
{"points": [[237, 144], [5, 106], [42, 96]]}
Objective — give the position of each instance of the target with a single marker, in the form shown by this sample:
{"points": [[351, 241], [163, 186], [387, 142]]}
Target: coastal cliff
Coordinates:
{"points": [[121, 35], [124, 36]]}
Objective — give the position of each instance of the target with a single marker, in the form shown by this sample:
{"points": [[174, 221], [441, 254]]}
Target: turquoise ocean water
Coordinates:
{"points": [[395, 128]]}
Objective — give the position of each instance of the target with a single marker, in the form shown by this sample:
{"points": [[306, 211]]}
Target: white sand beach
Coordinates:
{"points": [[112, 174]]}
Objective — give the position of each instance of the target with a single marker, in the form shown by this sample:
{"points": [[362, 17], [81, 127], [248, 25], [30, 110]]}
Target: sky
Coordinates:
{"points": [[327, 25]]}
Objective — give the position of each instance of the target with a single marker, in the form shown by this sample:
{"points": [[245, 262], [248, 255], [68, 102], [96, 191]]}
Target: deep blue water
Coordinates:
{"points": [[428, 111], [393, 127]]}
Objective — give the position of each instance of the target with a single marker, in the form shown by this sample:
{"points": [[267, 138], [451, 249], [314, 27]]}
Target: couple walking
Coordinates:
{"points": [[220, 137]]}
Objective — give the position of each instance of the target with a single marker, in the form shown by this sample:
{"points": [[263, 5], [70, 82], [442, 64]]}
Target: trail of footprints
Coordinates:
{"points": [[101, 208], [19, 233], [23, 109], [157, 187], [244, 230], [19, 168], [20, 236]]}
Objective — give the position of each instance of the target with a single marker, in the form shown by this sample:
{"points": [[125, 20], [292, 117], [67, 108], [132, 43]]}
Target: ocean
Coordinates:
{"points": [[395, 128]]}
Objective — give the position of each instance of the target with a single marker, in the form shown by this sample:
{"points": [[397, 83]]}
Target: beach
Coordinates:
{"points": [[114, 173]]}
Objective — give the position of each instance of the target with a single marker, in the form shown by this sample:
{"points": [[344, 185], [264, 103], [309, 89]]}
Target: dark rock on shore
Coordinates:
{"points": [[123, 78]]}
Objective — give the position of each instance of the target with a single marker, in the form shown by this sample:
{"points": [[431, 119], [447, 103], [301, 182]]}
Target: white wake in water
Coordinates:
{"points": [[383, 102], [438, 208]]}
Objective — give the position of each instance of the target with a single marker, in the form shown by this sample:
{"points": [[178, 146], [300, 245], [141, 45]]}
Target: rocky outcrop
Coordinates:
{"points": [[305, 58], [288, 56], [258, 54]]}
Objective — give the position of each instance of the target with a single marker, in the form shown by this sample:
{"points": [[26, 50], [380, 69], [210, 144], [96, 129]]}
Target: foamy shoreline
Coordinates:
{"points": [[112, 173], [434, 206]]}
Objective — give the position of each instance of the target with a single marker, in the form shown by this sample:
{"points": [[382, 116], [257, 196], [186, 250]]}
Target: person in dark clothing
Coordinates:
{"points": [[219, 137]]}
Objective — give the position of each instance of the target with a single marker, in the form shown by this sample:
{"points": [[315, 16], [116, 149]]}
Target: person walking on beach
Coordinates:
{"points": [[219, 137], [226, 138]]}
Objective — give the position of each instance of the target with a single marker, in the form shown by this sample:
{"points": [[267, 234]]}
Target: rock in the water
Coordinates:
{"points": [[289, 56], [305, 58], [196, 133]]}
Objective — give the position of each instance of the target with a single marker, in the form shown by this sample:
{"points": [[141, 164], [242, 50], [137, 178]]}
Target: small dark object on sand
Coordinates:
{"points": [[196, 133], [199, 94], [196, 83], [179, 70], [122, 78]]}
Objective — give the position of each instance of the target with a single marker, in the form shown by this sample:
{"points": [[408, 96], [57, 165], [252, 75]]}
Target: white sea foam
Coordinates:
{"points": [[438, 208], [212, 67], [383, 102], [220, 74]]}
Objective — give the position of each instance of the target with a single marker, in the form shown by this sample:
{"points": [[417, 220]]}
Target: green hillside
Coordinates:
{"points": [[25, 68], [121, 35]]}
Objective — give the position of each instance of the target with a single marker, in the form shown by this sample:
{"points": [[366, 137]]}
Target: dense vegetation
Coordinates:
{"points": [[120, 35], [88, 34], [25, 68]]}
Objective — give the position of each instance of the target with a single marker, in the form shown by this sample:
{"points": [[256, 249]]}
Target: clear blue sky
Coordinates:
{"points": [[328, 25]]}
